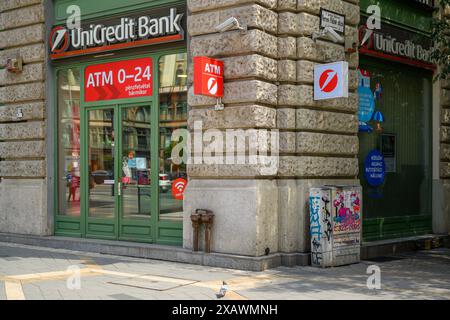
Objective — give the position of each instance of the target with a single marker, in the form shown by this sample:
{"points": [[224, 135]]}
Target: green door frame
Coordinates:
{"points": [[118, 221], [162, 232]]}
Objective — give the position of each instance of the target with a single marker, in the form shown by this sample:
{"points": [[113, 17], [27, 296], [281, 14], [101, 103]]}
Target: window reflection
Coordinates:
{"points": [[136, 161], [69, 142], [173, 115], [101, 163]]}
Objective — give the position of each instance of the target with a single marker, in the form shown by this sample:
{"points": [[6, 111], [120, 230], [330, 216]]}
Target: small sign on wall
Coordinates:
{"points": [[374, 168], [208, 77], [331, 80], [332, 19]]}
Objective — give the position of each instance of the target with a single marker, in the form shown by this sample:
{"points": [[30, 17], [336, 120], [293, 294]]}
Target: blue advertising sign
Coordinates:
{"points": [[374, 168], [366, 100]]}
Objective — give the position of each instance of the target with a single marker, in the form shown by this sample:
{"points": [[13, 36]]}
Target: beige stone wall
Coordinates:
{"points": [[269, 85], [444, 153], [22, 141]]}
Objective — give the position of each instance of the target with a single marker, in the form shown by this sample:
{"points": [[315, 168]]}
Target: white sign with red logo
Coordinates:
{"points": [[118, 80], [331, 80], [208, 77]]}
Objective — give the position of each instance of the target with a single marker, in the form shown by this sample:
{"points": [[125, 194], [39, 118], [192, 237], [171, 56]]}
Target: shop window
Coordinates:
{"points": [[173, 115], [403, 96], [69, 142]]}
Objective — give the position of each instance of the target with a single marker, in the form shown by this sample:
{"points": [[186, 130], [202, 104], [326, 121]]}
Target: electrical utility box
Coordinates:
{"points": [[335, 225]]}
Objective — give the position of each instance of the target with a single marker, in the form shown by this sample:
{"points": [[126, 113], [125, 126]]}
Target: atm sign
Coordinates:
{"points": [[118, 80], [208, 77]]}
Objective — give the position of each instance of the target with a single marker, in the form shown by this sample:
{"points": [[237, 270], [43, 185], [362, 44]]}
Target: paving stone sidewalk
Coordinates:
{"points": [[32, 273]]}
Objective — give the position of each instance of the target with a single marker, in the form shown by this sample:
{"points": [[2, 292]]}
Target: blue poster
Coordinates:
{"points": [[132, 163], [374, 168], [366, 105]]}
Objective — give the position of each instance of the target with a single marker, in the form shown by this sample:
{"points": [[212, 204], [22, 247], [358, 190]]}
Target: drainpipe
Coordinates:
{"points": [[207, 219], [196, 221]]}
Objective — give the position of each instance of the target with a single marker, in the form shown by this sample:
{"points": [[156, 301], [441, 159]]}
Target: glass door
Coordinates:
{"points": [[101, 173], [136, 186]]}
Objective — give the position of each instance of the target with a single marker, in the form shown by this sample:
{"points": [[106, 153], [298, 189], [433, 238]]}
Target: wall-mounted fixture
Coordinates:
{"points": [[19, 113], [14, 64], [231, 24], [350, 45], [329, 33]]}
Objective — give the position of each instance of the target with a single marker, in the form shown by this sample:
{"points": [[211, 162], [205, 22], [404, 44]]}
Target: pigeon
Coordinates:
{"points": [[223, 290]]}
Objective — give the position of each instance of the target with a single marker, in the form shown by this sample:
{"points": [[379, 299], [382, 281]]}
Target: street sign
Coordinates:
{"points": [[331, 19], [331, 80], [118, 80], [208, 77]]}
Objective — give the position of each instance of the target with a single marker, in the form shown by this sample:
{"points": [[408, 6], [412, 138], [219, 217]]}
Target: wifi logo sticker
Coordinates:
{"points": [[178, 187]]}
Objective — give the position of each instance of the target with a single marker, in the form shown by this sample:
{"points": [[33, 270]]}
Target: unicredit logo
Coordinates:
{"points": [[59, 39], [128, 30], [328, 80]]}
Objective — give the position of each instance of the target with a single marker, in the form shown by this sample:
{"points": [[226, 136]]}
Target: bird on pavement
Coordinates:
{"points": [[223, 290]]}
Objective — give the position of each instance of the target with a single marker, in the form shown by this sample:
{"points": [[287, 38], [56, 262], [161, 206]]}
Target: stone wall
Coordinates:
{"points": [[269, 85], [23, 186], [444, 153]]}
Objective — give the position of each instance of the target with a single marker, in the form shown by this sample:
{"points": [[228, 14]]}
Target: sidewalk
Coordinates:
{"points": [[40, 273]]}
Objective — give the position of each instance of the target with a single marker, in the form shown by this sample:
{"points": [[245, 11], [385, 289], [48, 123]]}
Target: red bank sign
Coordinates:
{"points": [[118, 80], [208, 77]]}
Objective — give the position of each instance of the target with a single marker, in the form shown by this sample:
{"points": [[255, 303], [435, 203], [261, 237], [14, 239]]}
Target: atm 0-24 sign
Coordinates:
{"points": [[118, 80], [208, 77]]}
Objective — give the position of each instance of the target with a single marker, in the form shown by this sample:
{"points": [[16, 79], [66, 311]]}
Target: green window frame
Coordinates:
{"points": [[164, 231]]}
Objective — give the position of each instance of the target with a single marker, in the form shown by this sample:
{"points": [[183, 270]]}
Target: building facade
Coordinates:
{"points": [[81, 158]]}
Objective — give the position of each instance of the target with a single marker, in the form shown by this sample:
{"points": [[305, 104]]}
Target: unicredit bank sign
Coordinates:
{"points": [[396, 44], [119, 33]]}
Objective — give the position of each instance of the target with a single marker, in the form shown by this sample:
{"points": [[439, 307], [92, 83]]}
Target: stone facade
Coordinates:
{"points": [[444, 153], [269, 85], [23, 183]]}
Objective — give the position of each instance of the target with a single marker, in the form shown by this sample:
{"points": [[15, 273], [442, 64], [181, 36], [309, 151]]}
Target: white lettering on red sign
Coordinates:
{"points": [[208, 77], [119, 80]]}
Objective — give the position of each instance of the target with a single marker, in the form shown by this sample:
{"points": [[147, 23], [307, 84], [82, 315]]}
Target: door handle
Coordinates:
{"points": [[119, 188]]}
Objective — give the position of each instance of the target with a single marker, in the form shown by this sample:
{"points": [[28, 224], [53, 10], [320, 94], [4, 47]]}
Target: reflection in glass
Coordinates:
{"points": [[101, 163], [69, 142], [136, 191], [173, 115]]}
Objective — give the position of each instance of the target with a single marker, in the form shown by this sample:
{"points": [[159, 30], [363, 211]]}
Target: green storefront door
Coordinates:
{"points": [[117, 177], [115, 165]]}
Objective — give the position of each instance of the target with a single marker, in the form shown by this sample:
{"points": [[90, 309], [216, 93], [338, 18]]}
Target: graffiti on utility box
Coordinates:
{"points": [[335, 225], [347, 206]]}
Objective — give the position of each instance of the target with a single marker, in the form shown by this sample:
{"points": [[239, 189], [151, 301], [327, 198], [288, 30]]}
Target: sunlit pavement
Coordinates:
{"points": [[40, 273]]}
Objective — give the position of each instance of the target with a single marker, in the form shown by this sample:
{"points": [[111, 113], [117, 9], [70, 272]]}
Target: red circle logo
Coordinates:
{"points": [[328, 80], [59, 39], [178, 187]]}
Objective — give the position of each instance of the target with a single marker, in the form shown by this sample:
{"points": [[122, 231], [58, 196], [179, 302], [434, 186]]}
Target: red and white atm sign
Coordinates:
{"points": [[118, 80], [208, 77]]}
